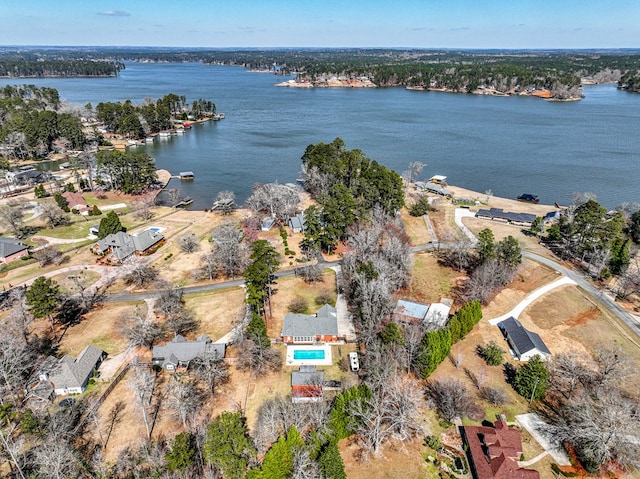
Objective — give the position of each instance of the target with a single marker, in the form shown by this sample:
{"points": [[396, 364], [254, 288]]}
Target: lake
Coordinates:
{"points": [[511, 145]]}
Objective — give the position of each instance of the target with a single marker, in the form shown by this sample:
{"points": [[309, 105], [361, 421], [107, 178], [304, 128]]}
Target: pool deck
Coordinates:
{"points": [[327, 361]]}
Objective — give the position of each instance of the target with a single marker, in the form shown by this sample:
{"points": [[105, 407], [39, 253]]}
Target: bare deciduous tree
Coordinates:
{"points": [[48, 255], [56, 459], [451, 398], [495, 396], [183, 398], [142, 383], [13, 220], [224, 202], [227, 249], [188, 243], [211, 371], [138, 272], [602, 428], [142, 206], [253, 356], [139, 329], [53, 214], [275, 200]]}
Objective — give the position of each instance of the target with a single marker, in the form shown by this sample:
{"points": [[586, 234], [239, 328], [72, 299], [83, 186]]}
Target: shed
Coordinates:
{"points": [[307, 385]]}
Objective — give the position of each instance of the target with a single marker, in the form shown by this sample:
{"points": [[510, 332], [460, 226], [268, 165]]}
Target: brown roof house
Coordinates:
{"points": [[494, 451], [119, 246], [11, 250], [179, 353], [67, 375], [76, 202], [311, 328], [307, 385]]}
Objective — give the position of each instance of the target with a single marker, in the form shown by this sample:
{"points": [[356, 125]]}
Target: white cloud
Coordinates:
{"points": [[115, 13]]}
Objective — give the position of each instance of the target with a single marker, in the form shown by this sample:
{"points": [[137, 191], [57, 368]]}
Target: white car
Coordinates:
{"points": [[353, 361]]}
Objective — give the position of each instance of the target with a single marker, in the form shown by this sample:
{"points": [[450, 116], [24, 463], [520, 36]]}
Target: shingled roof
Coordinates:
{"points": [[493, 452], [323, 323], [71, 373], [521, 339], [9, 246]]}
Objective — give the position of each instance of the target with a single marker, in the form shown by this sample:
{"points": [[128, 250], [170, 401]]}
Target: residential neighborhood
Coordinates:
{"points": [[396, 342]]}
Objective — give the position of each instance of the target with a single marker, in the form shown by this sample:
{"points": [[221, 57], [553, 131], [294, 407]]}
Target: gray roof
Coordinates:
{"points": [[324, 322], [9, 246], [521, 339], [297, 222], [498, 213], [433, 187], [74, 373], [308, 376], [124, 245], [181, 350], [406, 310]]}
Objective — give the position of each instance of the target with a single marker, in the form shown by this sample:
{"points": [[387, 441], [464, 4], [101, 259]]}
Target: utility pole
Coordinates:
{"points": [[535, 385]]}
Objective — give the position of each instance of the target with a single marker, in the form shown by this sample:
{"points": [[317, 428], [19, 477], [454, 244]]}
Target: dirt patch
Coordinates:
{"points": [[396, 461]]}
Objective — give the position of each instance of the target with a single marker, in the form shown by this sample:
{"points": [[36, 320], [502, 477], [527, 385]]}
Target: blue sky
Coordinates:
{"points": [[323, 23]]}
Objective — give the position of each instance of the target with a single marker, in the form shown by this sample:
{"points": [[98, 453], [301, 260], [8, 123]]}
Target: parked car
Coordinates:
{"points": [[353, 362]]}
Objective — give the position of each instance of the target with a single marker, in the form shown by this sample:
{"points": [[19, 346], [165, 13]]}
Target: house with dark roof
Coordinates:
{"points": [[524, 343], [498, 214], [493, 452], [311, 328], [67, 375], [435, 316], [179, 353], [119, 246], [307, 385], [11, 250], [26, 177]]}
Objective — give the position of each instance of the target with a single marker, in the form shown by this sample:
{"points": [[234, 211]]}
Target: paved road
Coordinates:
{"points": [[609, 303]]}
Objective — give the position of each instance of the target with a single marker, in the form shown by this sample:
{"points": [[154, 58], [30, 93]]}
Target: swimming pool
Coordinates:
{"points": [[308, 354]]}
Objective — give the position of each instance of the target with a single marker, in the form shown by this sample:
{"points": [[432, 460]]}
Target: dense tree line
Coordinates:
{"points": [[31, 121], [130, 171], [600, 239], [22, 68], [136, 121], [348, 186]]}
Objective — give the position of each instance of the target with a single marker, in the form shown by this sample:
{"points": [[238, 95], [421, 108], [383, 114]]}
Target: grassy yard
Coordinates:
{"points": [[218, 311]]}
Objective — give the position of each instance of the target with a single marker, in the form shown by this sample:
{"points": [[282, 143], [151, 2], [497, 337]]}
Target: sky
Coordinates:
{"points": [[323, 23]]}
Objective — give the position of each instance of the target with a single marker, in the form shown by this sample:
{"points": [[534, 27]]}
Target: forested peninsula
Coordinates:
{"points": [[552, 74]]}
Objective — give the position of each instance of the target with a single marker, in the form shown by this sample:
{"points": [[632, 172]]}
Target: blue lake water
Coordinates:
{"points": [[511, 145]]}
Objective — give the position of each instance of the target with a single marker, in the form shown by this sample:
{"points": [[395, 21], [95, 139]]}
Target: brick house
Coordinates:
{"points": [[11, 250], [321, 327], [493, 452]]}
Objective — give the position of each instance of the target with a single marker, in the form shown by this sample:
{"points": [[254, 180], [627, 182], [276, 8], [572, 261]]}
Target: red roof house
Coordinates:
{"points": [[76, 201], [494, 451]]}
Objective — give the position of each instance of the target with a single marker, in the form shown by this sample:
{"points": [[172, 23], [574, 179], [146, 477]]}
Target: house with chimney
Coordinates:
{"points": [[493, 452]]}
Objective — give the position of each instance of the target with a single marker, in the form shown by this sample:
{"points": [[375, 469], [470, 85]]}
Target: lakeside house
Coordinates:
{"points": [[493, 452], [67, 375], [179, 353], [119, 246], [433, 188], [28, 177], [296, 223], [307, 385], [11, 250], [321, 327], [497, 214], [524, 343], [434, 316]]}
